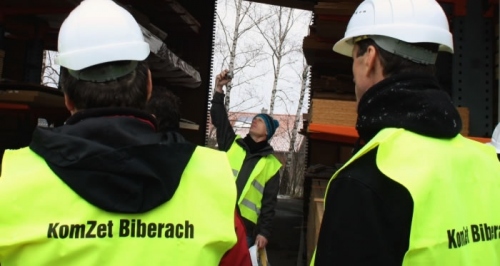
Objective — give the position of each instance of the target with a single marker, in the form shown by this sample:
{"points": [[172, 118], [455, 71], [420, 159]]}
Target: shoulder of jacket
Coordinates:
{"points": [[363, 170], [273, 157], [21, 156], [200, 150], [238, 140]]}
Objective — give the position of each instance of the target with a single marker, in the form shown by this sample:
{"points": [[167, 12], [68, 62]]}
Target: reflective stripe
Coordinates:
{"points": [[251, 196], [251, 206], [235, 173], [258, 186]]}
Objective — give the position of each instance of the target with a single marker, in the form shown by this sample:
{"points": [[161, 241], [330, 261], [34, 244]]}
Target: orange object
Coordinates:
{"points": [[482, 140], [13, 106], [349, 135], [334, 133]]}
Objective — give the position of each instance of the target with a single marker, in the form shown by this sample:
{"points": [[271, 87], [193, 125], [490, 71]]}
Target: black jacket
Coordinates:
{"points": [[368, 216], [225, 138], [114, 159]]}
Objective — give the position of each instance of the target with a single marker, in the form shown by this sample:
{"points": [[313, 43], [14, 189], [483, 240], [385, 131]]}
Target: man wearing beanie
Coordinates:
{"points": [[255, 168]]}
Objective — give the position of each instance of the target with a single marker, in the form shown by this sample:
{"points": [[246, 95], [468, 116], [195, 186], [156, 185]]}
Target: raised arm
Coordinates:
{"points": [[218, 114]]}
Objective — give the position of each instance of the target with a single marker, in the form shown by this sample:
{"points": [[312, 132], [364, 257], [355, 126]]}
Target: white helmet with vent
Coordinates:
{"points": [[410, 21], [99, 31]]}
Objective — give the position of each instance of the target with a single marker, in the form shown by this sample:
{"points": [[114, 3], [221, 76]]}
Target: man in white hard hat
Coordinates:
{"points": [[106, 188], [417, 192]]}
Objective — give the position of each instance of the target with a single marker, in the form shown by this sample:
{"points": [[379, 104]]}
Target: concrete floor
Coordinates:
{"points": [[283, 247]]}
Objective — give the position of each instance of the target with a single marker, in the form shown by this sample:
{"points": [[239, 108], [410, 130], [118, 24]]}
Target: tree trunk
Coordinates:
{"points": [[275, 84], [232, 51], [290, 162]]}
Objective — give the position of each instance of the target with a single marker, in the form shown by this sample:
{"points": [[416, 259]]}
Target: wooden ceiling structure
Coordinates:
{"points": [[179, 32]]}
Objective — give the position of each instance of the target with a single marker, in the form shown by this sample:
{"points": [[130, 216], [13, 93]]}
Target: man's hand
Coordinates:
{"points": [[221, 80], [261, 241]]}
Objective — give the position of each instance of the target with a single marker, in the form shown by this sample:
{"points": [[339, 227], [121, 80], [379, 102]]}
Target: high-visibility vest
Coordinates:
{"points": [[250, 201], [44, 222], [455, 187]]}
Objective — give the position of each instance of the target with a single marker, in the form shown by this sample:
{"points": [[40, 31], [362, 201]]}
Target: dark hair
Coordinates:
{"points": [[395, 64], [127, 91], [165, 105]]}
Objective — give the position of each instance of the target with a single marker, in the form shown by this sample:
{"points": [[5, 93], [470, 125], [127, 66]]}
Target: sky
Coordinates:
{"points": [[255, 94]]}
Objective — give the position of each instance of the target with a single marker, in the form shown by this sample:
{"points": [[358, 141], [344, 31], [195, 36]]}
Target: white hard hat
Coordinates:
{"points": [[495, 139], [99, 31], [410, 21]]}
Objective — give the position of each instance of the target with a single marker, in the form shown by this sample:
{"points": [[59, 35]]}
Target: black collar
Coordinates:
{"points": [[111, 111], [254, 146], [410, 101]]}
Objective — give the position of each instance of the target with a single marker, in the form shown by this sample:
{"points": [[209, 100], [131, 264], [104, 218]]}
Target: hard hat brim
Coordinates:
{"points": [[80, 59], [419, 34]]}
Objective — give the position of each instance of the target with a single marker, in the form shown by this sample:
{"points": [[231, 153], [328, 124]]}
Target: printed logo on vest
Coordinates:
{"points": [[127, 228], [481, 232]]}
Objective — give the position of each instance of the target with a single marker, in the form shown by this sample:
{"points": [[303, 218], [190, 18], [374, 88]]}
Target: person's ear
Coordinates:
{"points": [[70, 105], [375, 69], [370, 61]]}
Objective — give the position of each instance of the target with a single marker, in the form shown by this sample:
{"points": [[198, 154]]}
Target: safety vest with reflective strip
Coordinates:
{"points": [[250, 200], [44, 222], [455, 187]]}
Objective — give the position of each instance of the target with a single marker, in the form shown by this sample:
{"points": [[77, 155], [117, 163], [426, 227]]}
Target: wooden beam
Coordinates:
{"points": [[31, 94], [317, 52], [184, 15], [334, 112], [336, 9], [167, 65], [299, 4]]}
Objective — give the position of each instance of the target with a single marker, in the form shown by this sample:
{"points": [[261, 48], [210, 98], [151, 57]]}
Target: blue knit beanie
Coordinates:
{"points": [[271, 124]]}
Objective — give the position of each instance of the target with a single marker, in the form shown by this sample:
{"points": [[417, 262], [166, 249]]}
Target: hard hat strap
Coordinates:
{"points": [[406, 50], [105, 73]]}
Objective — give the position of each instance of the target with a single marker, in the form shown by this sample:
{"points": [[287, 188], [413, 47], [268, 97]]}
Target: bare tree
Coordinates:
{"points": [[275, 32], [286, 50], [259, 43], [50, 71], [292, 175], [228, 42], [294, 186]]}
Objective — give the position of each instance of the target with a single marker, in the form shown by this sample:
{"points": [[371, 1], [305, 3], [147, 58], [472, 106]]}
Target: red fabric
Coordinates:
{"points": [[238, 255], [143, 120]]}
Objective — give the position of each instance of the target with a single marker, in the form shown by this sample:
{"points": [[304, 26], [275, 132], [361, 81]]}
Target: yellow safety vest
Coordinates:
{"points": [[43, 222], [250, 201], [455, 219]]}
